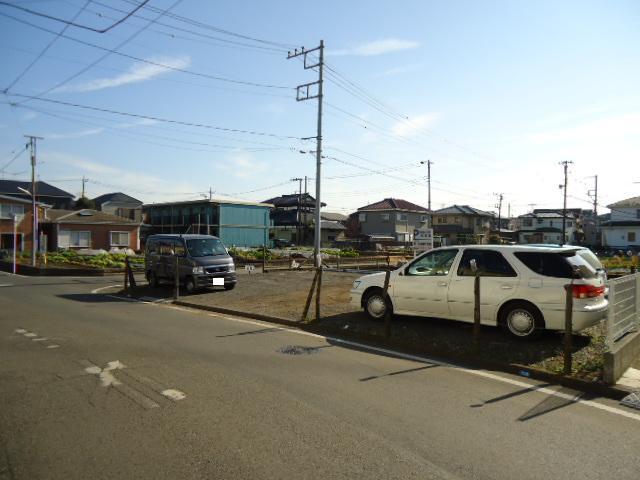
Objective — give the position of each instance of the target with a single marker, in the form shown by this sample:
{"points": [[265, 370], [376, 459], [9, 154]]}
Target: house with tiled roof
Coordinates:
{"points": [[68, 229], [622, 229], [45, 193], [545, 226], [120, 204], [391, 220], [461, 224]]}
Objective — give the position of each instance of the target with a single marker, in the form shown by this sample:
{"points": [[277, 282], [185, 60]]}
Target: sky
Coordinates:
{"points": [[495, 93]]}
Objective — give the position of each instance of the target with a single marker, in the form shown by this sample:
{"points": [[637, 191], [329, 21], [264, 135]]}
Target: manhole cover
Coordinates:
{"points": [[632, 401], [297, 350]]}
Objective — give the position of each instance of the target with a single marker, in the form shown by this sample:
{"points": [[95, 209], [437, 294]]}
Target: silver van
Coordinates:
{"points": [[203, 261]]}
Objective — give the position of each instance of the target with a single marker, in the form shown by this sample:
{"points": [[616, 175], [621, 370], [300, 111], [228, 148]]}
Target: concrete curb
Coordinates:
{"points": [[471, 362]]}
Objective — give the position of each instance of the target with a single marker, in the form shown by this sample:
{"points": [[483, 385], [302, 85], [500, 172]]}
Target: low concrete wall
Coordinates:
{"points": [[56, 271], [621, 357]]}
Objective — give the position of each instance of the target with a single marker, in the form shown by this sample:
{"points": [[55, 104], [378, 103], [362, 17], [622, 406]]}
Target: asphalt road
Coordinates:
{"points": [[92, 386]]}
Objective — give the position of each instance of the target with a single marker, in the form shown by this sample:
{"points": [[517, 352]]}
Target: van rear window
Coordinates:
{"points": [[547, 264]]}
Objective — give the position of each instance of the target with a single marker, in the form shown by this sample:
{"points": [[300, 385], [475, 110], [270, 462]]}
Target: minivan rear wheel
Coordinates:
{"points": [[522, 321]]}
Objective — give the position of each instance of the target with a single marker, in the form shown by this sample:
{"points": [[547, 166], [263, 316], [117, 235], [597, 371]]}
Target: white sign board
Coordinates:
{"points": [[249, 268], [423, 239]]}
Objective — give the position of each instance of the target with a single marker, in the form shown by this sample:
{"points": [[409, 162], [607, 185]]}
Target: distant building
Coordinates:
{"points": [[461, 224], [20, 209], [546, 227], [622, 230], [391, 220], [120, 204], [293, 217], [235, 222], [45, 193]]}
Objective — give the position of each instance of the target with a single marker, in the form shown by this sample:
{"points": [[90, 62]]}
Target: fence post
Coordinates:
{"points": [[264, 259], [638, 300], [176, 288], [129, 271], [387, 312], [309, 297], [568, 329], [476, 308], [338, 263], [126, 275], [318, 291]]}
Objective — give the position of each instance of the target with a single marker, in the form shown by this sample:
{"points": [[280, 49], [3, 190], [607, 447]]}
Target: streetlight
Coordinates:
{"points": [[34, 227]]}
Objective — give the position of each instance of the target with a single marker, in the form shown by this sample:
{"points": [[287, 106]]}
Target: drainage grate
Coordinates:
{"points": [[297, 350], [632, 400]]}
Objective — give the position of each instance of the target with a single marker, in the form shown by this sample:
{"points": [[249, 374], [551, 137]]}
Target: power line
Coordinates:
{"points": [[150, 117], [226, 42], [45, 49], [71, 23], [205, 26], [115, 51], [109, 52], [14, 158]]}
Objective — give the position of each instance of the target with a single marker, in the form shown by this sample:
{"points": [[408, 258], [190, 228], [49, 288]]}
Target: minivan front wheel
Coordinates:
{"points": [[190, 285], [522, 321]]}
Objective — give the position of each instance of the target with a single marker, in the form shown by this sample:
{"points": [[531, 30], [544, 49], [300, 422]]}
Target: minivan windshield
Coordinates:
{"points": [[205, 247]]}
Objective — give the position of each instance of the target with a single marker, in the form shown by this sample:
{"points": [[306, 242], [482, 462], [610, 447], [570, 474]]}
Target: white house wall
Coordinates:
{"points": [[619, 236]]}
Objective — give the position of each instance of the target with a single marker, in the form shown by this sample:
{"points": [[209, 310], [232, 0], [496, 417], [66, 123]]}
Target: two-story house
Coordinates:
{"points": [[45, 193], [391, 219], [461, 224], [546, 227], [623, 228], [293, 218]]}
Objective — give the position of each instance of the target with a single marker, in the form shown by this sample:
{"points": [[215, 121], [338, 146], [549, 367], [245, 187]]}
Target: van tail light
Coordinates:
{"points": [[587, 291]]}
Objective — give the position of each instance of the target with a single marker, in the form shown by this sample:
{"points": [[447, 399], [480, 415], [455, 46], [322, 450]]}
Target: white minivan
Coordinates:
{"points": [[521, 287]]}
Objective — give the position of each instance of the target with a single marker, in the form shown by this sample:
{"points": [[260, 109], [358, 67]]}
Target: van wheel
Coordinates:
{"points": [[522, 321], [190, 285], [153, 280], [375, 305]]}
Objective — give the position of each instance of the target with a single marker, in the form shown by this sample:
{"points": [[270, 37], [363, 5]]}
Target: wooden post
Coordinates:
{"points": [[387, 312], [357, 264], [309, 297], [568, 330], [318, 292], [176, 288], [476, 308], [129, 272], [264, 259], [338, 263], [126, 275]]}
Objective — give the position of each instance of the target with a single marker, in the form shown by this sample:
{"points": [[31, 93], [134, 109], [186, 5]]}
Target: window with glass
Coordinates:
{"points": [[436, 263], [489, 263], [8, 210], [119, 239], [402, 217], [71, 239], [527, 222], [631, 236], [384, 217], [178, 248], [362, 217]]}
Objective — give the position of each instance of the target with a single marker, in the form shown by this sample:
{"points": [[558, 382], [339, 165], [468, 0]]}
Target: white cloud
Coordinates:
{"points": [[136, 73], [399, 70], [81, 133], [377, 47], [412, 126], [243, 165], [610, 128]]}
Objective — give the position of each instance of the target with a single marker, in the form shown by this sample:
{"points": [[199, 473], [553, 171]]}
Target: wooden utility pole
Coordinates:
{"points": [[298, 210], [565, 165], [428, 163]]}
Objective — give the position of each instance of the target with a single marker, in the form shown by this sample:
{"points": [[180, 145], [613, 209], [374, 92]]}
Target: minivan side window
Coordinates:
{"points": [[547, 264], [435, 263], [489, 262], [152, 246], [166, 247], [178, 248]]}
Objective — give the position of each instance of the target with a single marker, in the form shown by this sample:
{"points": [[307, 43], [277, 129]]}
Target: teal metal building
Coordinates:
{"points": [[236, 223]]}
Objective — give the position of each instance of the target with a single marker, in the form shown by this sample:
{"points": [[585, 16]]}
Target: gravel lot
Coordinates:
{"points": [[283, 294]]}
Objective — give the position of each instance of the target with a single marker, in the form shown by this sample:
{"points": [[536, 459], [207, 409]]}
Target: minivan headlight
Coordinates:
{"points": [[232, 267], [198, 270]]}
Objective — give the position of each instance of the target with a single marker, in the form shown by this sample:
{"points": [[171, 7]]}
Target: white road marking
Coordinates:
{"points": [[20, 330], [174, 395], [53, 345], [106, 377], [30, 334], [6, 284], [41, 339], [97, 290]]}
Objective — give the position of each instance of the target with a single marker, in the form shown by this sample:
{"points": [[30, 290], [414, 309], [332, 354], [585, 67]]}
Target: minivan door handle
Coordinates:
{"points": [[506, 287], [442, 284]]}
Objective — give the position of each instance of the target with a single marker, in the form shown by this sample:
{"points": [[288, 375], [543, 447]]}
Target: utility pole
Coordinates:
{"points": [[210, 194], [499, 207], [34, 210], [298, 214], [565, 165], [304, 92], [428, 163], [509, 211], [84, 181], [594, 193]]}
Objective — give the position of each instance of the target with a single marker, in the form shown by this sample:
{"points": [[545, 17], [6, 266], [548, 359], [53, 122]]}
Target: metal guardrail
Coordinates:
{"points": [[624, 307]]}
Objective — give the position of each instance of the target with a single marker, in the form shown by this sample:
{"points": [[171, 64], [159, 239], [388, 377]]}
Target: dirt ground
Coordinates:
{"points": [[283, 294]]}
